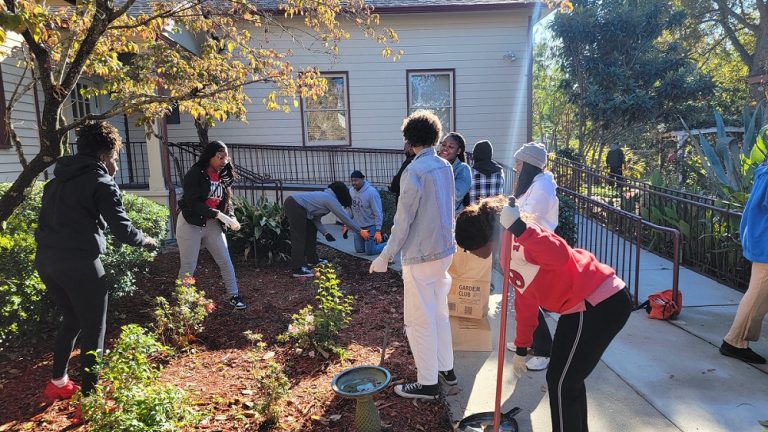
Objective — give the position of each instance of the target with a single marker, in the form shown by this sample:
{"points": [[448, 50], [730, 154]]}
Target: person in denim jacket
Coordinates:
{"points": [[453, 148], [423, 233]]}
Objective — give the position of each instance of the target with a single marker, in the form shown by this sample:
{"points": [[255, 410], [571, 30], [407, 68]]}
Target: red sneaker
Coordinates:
{"points": [[54, 393]]}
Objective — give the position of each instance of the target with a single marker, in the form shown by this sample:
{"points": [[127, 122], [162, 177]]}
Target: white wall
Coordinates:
{"points": [[491, 92], [23, 117]]}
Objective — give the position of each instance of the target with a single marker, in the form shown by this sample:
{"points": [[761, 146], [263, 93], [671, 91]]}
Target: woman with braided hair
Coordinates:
{"points": [[545, 272]]}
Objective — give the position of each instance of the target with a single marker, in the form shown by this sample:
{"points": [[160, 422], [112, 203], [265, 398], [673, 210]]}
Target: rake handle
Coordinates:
{"points": [[506, 244]]}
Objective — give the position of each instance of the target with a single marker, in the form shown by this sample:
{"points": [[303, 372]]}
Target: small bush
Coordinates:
{"points": [[566, 222], [128, 397], [177, 324], [389, 206], [24, 306], [264, 234], [318, 328], [274, 386]]}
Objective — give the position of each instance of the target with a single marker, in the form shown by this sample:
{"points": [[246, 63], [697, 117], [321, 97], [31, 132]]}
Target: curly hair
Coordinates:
{"points": [[422, 129], [98, 138], [478, 224]]}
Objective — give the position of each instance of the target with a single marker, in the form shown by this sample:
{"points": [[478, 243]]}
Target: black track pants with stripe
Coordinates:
{"points": [[580, 340]]}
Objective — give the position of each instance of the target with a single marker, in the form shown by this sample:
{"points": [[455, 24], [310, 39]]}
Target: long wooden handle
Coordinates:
{"points": [[506, 244]]}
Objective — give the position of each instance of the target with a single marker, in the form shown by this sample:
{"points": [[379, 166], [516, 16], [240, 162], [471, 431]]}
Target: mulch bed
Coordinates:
{"points": [[220, 371]]}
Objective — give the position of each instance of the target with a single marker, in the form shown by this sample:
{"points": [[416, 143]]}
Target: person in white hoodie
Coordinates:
{"points": [[536, 194], [367, 212]]}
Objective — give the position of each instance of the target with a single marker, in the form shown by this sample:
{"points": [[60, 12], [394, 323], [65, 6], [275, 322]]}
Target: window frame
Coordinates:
{"points": [[304, 111], [451, 72]]}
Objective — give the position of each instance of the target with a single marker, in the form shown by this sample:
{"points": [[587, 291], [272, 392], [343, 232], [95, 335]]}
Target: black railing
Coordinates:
{"points": [[710, 234], [248, 184], [615, 237], [134, 166]]}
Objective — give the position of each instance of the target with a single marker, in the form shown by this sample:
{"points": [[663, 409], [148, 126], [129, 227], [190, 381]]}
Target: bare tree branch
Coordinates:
{"points": [[746, 57], [167, 14], [724, 8]]}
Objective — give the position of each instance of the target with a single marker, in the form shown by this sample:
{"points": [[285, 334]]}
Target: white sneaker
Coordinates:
{"points": [[536, 363], [511, 346]]}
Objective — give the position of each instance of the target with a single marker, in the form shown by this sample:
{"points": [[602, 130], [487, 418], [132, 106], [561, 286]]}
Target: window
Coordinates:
{"points": [[433, 90], [82, 106], [326, 120], [173, 117]]}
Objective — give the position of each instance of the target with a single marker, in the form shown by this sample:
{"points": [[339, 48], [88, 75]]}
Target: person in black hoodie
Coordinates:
{"points": [[206, 208], [77, 206]]}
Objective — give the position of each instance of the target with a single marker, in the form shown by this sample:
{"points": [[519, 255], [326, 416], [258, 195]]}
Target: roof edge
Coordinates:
{"points": [[453, 8]]}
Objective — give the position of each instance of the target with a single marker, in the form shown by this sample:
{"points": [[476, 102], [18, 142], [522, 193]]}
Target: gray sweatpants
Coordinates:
{"points": [[190, 237]]}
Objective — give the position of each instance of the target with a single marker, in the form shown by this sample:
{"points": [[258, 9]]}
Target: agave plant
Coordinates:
{"points": [[729, 165]]}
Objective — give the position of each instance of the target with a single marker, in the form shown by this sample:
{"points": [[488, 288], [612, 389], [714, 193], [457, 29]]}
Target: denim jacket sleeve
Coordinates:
{"points": [[407, 205], [463, 178]]}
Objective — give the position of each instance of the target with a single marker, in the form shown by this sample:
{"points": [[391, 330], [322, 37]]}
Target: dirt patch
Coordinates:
{"points": [[220, 372]]}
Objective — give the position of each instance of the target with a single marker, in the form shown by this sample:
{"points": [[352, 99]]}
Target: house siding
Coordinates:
{"points": [[23, 117], [492, 99]]}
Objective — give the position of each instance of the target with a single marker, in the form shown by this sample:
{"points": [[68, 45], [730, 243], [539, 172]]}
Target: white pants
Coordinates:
{"points": [[425, 314]]}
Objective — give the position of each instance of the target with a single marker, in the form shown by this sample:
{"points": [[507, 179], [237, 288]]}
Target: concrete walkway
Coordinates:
{"points": [[656, 375]]}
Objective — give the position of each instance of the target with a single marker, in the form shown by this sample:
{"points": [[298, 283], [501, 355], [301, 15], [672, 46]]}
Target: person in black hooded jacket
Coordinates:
{"points": [[77, 206], [487, 174]]}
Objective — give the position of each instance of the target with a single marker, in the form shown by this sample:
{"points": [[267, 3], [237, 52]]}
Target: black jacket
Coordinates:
{"points": [[79, 204], [197, 187], [395, 186]]}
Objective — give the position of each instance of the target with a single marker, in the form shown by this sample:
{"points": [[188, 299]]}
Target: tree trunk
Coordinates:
{"points": [[759, 65], [21, 188], [202, 133]]}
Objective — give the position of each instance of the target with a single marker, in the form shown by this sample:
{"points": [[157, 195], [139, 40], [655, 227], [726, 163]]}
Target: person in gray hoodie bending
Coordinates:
{"points": [[305, 212], [367, 212]]}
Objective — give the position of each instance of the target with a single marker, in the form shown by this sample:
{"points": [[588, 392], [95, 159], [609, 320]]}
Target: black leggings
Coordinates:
{"points": [[303, 234], [78, 287], [580, 340]]}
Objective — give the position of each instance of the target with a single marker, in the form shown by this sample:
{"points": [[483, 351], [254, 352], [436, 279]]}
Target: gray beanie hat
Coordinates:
{"points": [[534, 153]]}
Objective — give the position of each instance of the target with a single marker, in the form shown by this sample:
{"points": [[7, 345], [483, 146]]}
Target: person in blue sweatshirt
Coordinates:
{"points": [[305, 211], [367, 212], [754, 305]]}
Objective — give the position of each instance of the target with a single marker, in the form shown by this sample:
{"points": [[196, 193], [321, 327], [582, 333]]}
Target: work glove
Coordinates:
{"points": [[364, 234], [330, 237], [149, 242], [231, 223], [379, 265], [509, 215], [344, 232], [518, 365], [377, 237]]}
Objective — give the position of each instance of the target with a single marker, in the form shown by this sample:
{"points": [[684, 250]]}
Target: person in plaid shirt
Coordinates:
{"points": [[487, 174]]}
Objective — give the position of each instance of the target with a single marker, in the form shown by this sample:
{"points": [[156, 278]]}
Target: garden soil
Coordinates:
{"points": [[220, 371]]}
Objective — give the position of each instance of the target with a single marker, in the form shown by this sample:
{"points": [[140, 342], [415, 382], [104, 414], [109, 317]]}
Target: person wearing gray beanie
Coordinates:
{"points": [[534, 153], [536, 193]]}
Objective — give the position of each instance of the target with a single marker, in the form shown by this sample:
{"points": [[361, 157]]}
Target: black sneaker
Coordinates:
{"points": [[418, 391], [303, 272], [448, 377], [743, 354], [237, 302]]}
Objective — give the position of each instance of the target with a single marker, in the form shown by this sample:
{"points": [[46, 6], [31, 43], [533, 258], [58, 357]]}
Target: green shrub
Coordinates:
{"points": [[23, 303], [24, 306], [566, 222], [177, 324], [122, 263], [389, 206], [274, 386], [129, 397], [318, 328], [264, 234]]}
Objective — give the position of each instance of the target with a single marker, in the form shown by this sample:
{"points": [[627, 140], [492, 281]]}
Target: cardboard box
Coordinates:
{"points": [[471, 286], [470, 334], [468, 298]]}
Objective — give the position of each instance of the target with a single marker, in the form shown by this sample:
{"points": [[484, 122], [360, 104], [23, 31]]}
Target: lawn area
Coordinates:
{"points": [[223, 372]]}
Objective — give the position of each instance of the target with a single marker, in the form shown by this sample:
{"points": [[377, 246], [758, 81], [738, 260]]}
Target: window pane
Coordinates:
{"points": [[334, 97], [430, 90], [327, 126]]}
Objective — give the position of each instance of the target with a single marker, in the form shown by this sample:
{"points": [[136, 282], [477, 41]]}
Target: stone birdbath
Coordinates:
{"points": [[361, 383]]}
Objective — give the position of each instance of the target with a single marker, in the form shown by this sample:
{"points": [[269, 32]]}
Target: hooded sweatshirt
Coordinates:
{"points": [[754, 221], [320, 203], [79, 204], [540, 201], [366, 206]]}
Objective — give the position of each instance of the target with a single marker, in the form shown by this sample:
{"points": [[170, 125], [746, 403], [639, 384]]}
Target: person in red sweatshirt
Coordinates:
{"points": [[545, 272]]}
